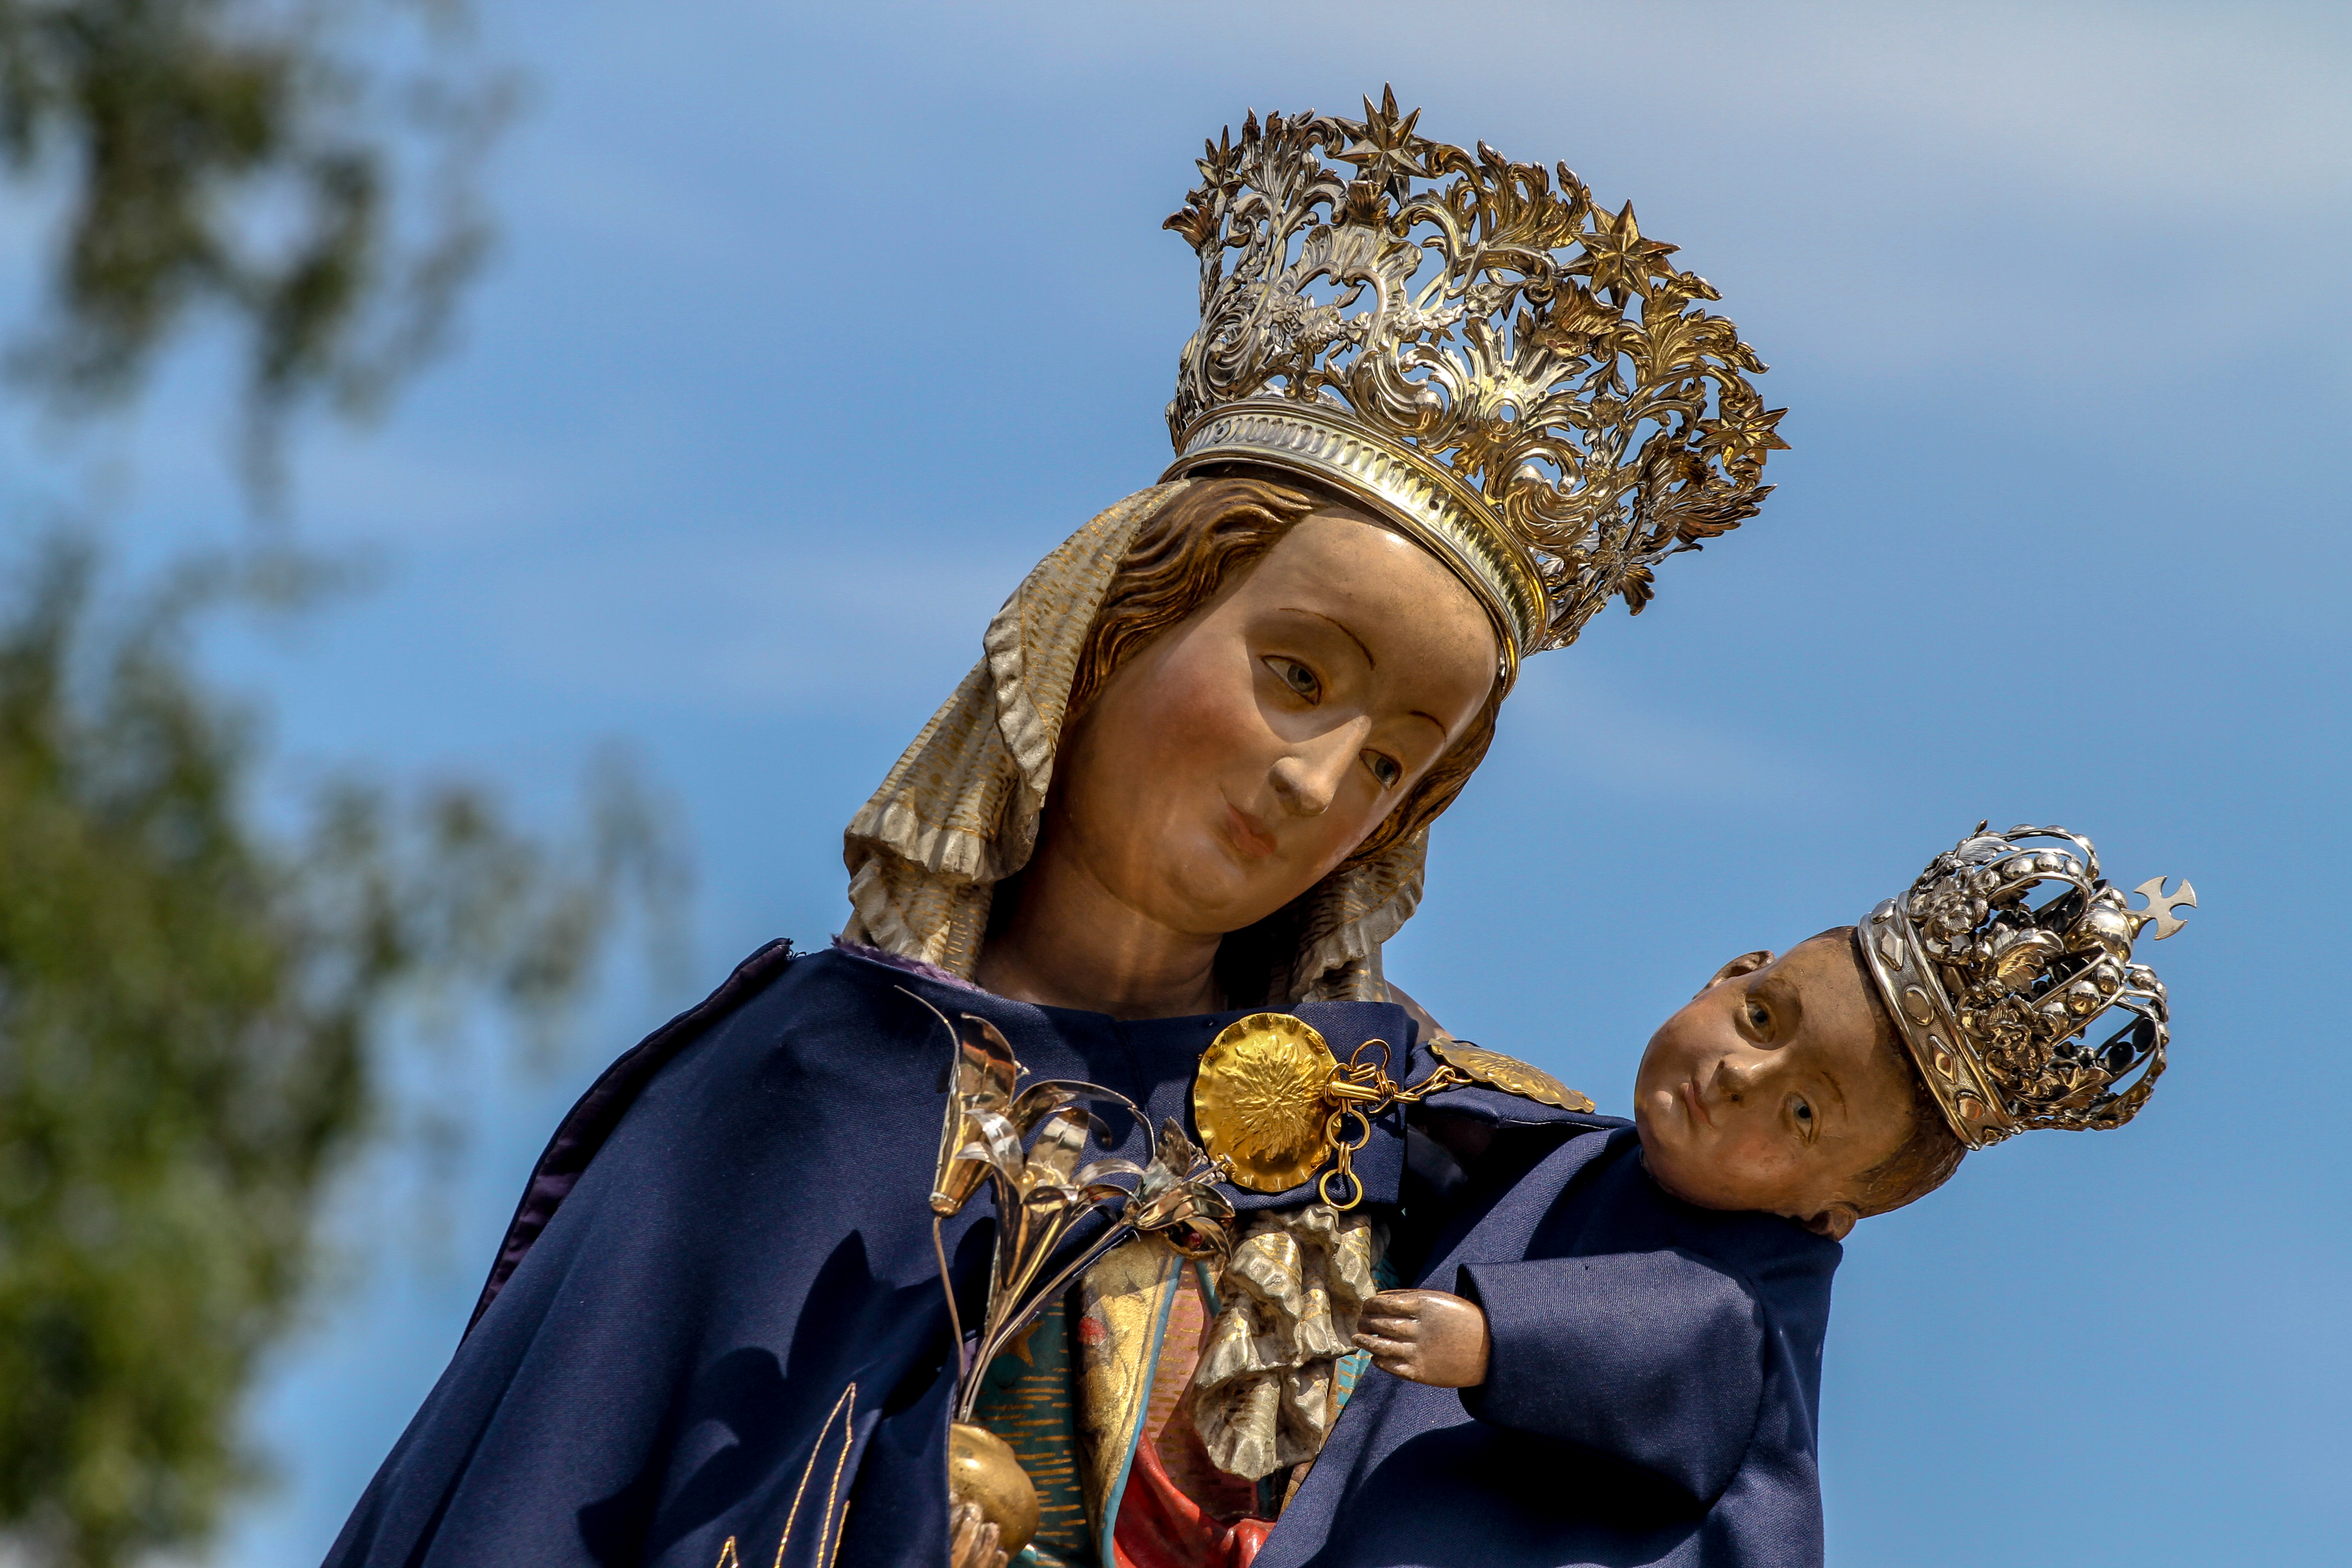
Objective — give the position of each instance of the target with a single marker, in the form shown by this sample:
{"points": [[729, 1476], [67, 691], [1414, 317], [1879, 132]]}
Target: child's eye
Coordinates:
{"points": [[1804, 1114], [1295, 675], [1388, 770]]}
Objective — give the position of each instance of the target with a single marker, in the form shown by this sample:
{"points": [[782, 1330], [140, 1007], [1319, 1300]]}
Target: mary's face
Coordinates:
{"points": [[1246, 752]]}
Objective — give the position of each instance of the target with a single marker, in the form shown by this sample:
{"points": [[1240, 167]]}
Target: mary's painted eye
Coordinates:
{"points": [[1803, 1113], [1759, 1017], [1388, 770], [1295, 675]]}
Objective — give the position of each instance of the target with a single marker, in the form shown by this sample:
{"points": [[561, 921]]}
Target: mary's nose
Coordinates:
{"points": [[1308, 781]]}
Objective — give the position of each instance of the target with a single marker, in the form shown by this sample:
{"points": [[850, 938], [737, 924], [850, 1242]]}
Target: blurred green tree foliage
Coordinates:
{"points": [[302, 167], [191, 1011], [199, 982]]}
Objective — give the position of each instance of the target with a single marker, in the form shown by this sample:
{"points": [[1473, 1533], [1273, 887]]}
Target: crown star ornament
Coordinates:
{"points": [[1471, 347], [1993, 995]]}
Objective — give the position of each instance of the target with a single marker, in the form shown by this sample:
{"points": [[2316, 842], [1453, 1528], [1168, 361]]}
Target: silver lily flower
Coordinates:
{"points": [[1029, 1150]]}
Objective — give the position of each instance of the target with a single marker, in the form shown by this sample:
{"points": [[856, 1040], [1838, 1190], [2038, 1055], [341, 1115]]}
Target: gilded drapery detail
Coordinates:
{"points": [[1123, 1304], [959, 811], [1268, 1383], [1265, 1393]]}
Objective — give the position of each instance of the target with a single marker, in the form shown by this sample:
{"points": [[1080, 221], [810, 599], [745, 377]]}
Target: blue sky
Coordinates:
{"points": [[810, 329]]}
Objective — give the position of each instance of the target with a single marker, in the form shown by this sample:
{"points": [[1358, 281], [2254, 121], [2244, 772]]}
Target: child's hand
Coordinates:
{"points": [[971, 1540], [1426, 1336]]}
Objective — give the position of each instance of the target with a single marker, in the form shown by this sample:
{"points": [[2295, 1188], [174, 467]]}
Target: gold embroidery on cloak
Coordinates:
{"points": [[844, 1410]]}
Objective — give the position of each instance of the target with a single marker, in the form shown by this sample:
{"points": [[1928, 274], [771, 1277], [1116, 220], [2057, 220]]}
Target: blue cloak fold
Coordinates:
{"points": [[716, 1324], [718, 1315], [1652, 1395]]}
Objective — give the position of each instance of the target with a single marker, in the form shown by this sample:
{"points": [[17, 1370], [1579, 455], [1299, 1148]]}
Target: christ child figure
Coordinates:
{"points": [[1653, 1296]]}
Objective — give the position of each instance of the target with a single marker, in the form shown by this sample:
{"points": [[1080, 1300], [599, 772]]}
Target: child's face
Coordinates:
{"points": [[1775, 1088]]}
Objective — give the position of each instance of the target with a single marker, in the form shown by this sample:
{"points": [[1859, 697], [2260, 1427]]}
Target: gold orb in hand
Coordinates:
{"points": [[983, 1470]]}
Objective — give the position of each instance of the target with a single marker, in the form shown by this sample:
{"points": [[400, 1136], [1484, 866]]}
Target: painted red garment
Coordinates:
{"points": [[1159, 1527], [1179, 1510]]}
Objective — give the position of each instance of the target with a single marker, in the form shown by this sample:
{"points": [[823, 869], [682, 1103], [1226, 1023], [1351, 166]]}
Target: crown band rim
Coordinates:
{"points": [[1448, 518], [1890, 948]]}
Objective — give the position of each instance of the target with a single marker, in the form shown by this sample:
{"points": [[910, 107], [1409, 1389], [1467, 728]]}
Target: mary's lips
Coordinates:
{"points": [[1248, 837]]}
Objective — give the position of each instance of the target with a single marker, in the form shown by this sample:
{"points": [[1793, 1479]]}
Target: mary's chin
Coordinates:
{"points": [[1206, 892]]}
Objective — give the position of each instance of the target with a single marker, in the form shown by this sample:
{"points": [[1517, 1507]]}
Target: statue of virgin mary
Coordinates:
{"points": [[1440, 410]]}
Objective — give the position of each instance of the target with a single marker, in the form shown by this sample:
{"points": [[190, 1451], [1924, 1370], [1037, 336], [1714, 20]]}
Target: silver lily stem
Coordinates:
{"points": [[947, 1283], [993, 1342]]}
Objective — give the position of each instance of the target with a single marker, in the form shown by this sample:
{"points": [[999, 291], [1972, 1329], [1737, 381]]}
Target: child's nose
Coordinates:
{"points": [[1736, 1077]]}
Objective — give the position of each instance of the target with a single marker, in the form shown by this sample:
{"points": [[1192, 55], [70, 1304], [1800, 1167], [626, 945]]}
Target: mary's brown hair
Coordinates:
{"points": [[1204, 537]]}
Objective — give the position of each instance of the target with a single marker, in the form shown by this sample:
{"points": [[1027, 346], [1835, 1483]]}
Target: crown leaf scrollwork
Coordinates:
{"points": [[1486, 317]]}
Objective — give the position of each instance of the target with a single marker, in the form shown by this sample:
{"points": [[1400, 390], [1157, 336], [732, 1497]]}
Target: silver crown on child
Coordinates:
{"points": [[1993, 995]]}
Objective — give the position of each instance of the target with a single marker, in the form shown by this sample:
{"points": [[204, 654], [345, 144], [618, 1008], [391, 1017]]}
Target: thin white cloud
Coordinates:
{"points": [[1568, 731], [2197, 109], [2139, 100], [796, 619]]}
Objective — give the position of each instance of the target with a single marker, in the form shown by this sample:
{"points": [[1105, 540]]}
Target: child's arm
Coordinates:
{"points": [[1652, 1358], [1426, 1336]]}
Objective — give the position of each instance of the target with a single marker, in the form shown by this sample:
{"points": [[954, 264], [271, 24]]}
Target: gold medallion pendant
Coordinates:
{"points": [[1274, 1104], [1259, 1100]]}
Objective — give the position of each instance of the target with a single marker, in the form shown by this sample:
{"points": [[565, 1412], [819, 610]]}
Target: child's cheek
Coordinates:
{"points": [[1751, 1165]]}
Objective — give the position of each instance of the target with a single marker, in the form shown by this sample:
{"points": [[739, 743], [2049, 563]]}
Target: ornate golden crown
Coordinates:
{"points": [[1992, 996], [1546, 408]]}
